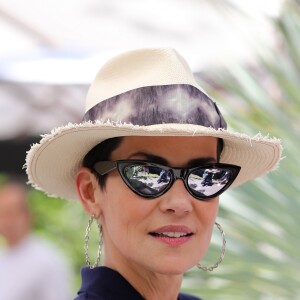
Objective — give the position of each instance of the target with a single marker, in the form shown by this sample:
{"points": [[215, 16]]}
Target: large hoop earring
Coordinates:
{"points": [[211, 268], [86, 243]]}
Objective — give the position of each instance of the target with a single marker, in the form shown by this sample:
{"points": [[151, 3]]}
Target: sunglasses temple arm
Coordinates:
{"points": [[104, 167]]}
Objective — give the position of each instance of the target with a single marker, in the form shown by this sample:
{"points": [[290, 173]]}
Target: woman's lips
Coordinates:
{"points": [[173, 235]]}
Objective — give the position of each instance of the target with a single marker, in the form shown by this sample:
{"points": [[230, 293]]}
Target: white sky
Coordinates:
{"points": [[66, 41], [40, 35]]}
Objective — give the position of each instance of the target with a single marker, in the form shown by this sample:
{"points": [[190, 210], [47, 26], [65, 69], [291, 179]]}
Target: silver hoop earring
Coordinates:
{"points": [[211, 268], [86, 243]]}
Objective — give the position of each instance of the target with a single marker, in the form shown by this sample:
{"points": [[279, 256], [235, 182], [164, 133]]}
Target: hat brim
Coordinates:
{"points": [[52, 164]]}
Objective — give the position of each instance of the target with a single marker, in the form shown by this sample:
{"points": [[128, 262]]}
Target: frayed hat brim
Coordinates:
{"points": [[52, 164]]}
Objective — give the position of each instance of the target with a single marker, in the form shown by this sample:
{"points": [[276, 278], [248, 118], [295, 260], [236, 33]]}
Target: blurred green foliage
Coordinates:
{"points": [[63, 223], [261, 218]]}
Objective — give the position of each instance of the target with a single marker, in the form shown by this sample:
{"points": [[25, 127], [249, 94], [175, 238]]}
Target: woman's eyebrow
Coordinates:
{"points": [[163, 161], [150, 157], [201, 161]]}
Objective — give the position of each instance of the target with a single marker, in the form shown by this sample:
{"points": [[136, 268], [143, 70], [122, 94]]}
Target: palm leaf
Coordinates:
{"points": [[261, 218]]}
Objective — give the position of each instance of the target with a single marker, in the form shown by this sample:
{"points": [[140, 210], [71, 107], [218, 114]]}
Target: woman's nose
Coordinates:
{"points": [[177, 200]]}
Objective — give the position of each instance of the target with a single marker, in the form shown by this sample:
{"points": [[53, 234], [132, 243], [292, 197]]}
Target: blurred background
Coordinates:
{"points": [[246, 56]]}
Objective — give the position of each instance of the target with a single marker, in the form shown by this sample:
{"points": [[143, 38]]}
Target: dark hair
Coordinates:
{"points": [[102, 152], [220, 146]]}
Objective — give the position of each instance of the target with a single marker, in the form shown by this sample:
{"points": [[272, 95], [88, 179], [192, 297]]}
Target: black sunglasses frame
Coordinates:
{"points": [[104, 167]]}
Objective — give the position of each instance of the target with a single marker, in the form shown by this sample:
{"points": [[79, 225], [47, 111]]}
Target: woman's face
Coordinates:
{"points": [[131, 223]]}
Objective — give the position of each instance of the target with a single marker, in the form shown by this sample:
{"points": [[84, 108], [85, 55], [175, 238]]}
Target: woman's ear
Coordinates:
{"points": [[88, 191]]}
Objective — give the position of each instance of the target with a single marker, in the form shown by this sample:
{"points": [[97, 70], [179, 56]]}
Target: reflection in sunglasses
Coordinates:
{"points": [[148, 179], [151, 180]]}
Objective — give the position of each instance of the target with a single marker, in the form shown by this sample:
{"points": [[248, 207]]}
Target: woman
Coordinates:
{"points": [[148, 163]]}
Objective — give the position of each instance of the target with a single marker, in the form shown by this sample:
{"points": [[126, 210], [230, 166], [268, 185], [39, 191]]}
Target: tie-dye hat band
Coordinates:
{"points": [[176, 103], [146, 92]]}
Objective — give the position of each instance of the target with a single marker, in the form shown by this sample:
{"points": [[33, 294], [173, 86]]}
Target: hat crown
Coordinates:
{"points": [[139, 68]]}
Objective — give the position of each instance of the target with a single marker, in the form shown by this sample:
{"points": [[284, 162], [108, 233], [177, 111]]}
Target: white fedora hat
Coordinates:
{"points": [[146, 92]]}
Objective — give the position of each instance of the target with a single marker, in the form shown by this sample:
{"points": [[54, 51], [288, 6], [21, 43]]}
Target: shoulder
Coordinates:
{"points": [[45, 250], [2, 254], [48, 258], [183, 296], [102, 283], [86, 296]]}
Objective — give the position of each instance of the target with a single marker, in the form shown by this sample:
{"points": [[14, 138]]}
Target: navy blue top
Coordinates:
{"points": [[102, 283]]}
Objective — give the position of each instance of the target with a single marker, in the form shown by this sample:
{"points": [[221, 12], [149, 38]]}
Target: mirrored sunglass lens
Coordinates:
{"points": [[206, 182], [147, 179]]}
